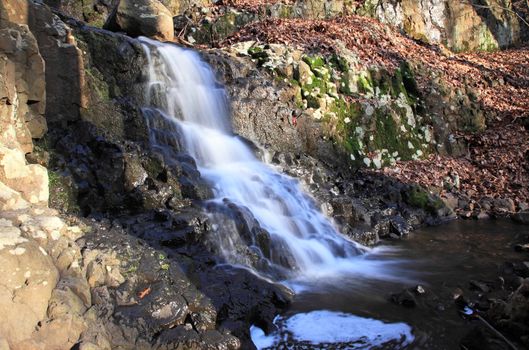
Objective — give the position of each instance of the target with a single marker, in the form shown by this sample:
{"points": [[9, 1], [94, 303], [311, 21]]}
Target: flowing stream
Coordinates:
{"points": [[342, 287], [189, 109]]}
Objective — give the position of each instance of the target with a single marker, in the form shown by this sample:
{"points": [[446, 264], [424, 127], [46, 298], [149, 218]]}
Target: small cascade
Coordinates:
{"points": [[284, 233]]}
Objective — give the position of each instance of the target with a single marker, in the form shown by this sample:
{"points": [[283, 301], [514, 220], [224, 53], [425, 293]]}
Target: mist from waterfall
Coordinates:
{"points": [[183, 91]]}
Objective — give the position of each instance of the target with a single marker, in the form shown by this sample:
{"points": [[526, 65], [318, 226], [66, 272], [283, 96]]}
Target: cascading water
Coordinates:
{"points": [[183, 92]]}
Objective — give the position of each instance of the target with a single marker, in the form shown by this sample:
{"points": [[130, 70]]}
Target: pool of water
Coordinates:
{"points": [[356, 312]]}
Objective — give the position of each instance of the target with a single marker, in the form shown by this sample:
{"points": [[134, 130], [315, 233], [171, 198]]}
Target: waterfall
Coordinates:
{"points": [[285, 229]]}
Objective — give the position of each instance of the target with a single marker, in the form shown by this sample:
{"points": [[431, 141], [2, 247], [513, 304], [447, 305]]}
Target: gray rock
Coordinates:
{"points": [[142, 17], [521, 217]]}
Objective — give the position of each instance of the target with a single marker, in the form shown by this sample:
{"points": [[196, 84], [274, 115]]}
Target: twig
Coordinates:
{"points": [[182, 32], [501, 7], [495, 331]]}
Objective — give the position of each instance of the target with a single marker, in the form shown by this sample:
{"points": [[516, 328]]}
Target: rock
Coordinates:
{"points": [[142, 17], [480, 338], [135, 175], [404, 298], [479, 286], [458, 25], [19, 46], [11, 199], [518, 305], [93, 13], [25, 293], [504, 205], [30, 180], [522, 217], [522, 247]]}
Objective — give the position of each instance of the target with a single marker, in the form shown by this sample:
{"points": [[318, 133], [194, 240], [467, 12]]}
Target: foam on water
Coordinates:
{"points": [[329, 327]]}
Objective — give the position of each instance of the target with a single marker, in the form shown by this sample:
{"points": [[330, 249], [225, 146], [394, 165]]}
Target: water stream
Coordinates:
{"points": [[341, 287], [444, 259], [191, 108]]}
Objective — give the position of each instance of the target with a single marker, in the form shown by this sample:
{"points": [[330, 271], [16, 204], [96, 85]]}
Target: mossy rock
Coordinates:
{"points": [[314, 62], [418, 197], [63, 194]]}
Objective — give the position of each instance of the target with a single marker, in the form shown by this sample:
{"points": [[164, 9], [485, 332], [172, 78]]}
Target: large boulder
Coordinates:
{"points": [[30, 277], [142, 17], [29, 180], [460, 25]]}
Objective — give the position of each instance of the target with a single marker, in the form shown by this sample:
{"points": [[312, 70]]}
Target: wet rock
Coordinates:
{"points": [[399, 226], [405, 298], [522, 247], [145, 17], [504, 205], [481, 338], [518, 305], [134, 175], [522, 217], [479, 286]]}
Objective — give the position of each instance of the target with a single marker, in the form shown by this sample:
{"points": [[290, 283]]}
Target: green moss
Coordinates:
{"points": [[259, 54], [285, 11], [386, 134], [132, 269], [368, 8], [420, 198], [93, 17], [63, 195], [339, 63], [345, 132], [317, 84], [153, 167], [408, 81], [314, 62], [97, 84], [365, 83]]}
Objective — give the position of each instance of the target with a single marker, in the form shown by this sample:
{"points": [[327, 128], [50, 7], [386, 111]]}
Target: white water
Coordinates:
{"points": [[317, 328], [193, 112], [187, 110]]}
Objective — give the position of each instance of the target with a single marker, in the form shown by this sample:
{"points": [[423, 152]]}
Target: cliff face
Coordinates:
{"points": [[460, 25]]}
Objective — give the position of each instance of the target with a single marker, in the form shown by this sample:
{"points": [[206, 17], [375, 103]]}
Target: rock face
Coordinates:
{"points": [[22, 103], [292, 101], [38, 255], [460, 25], [93, 12], [145, 17]]}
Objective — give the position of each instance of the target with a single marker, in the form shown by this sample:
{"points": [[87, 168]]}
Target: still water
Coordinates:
{"points": [[355, 312]]}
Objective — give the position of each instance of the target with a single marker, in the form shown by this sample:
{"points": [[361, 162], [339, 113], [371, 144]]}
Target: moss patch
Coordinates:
{"points": [[419, 198], [63, 195]]}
